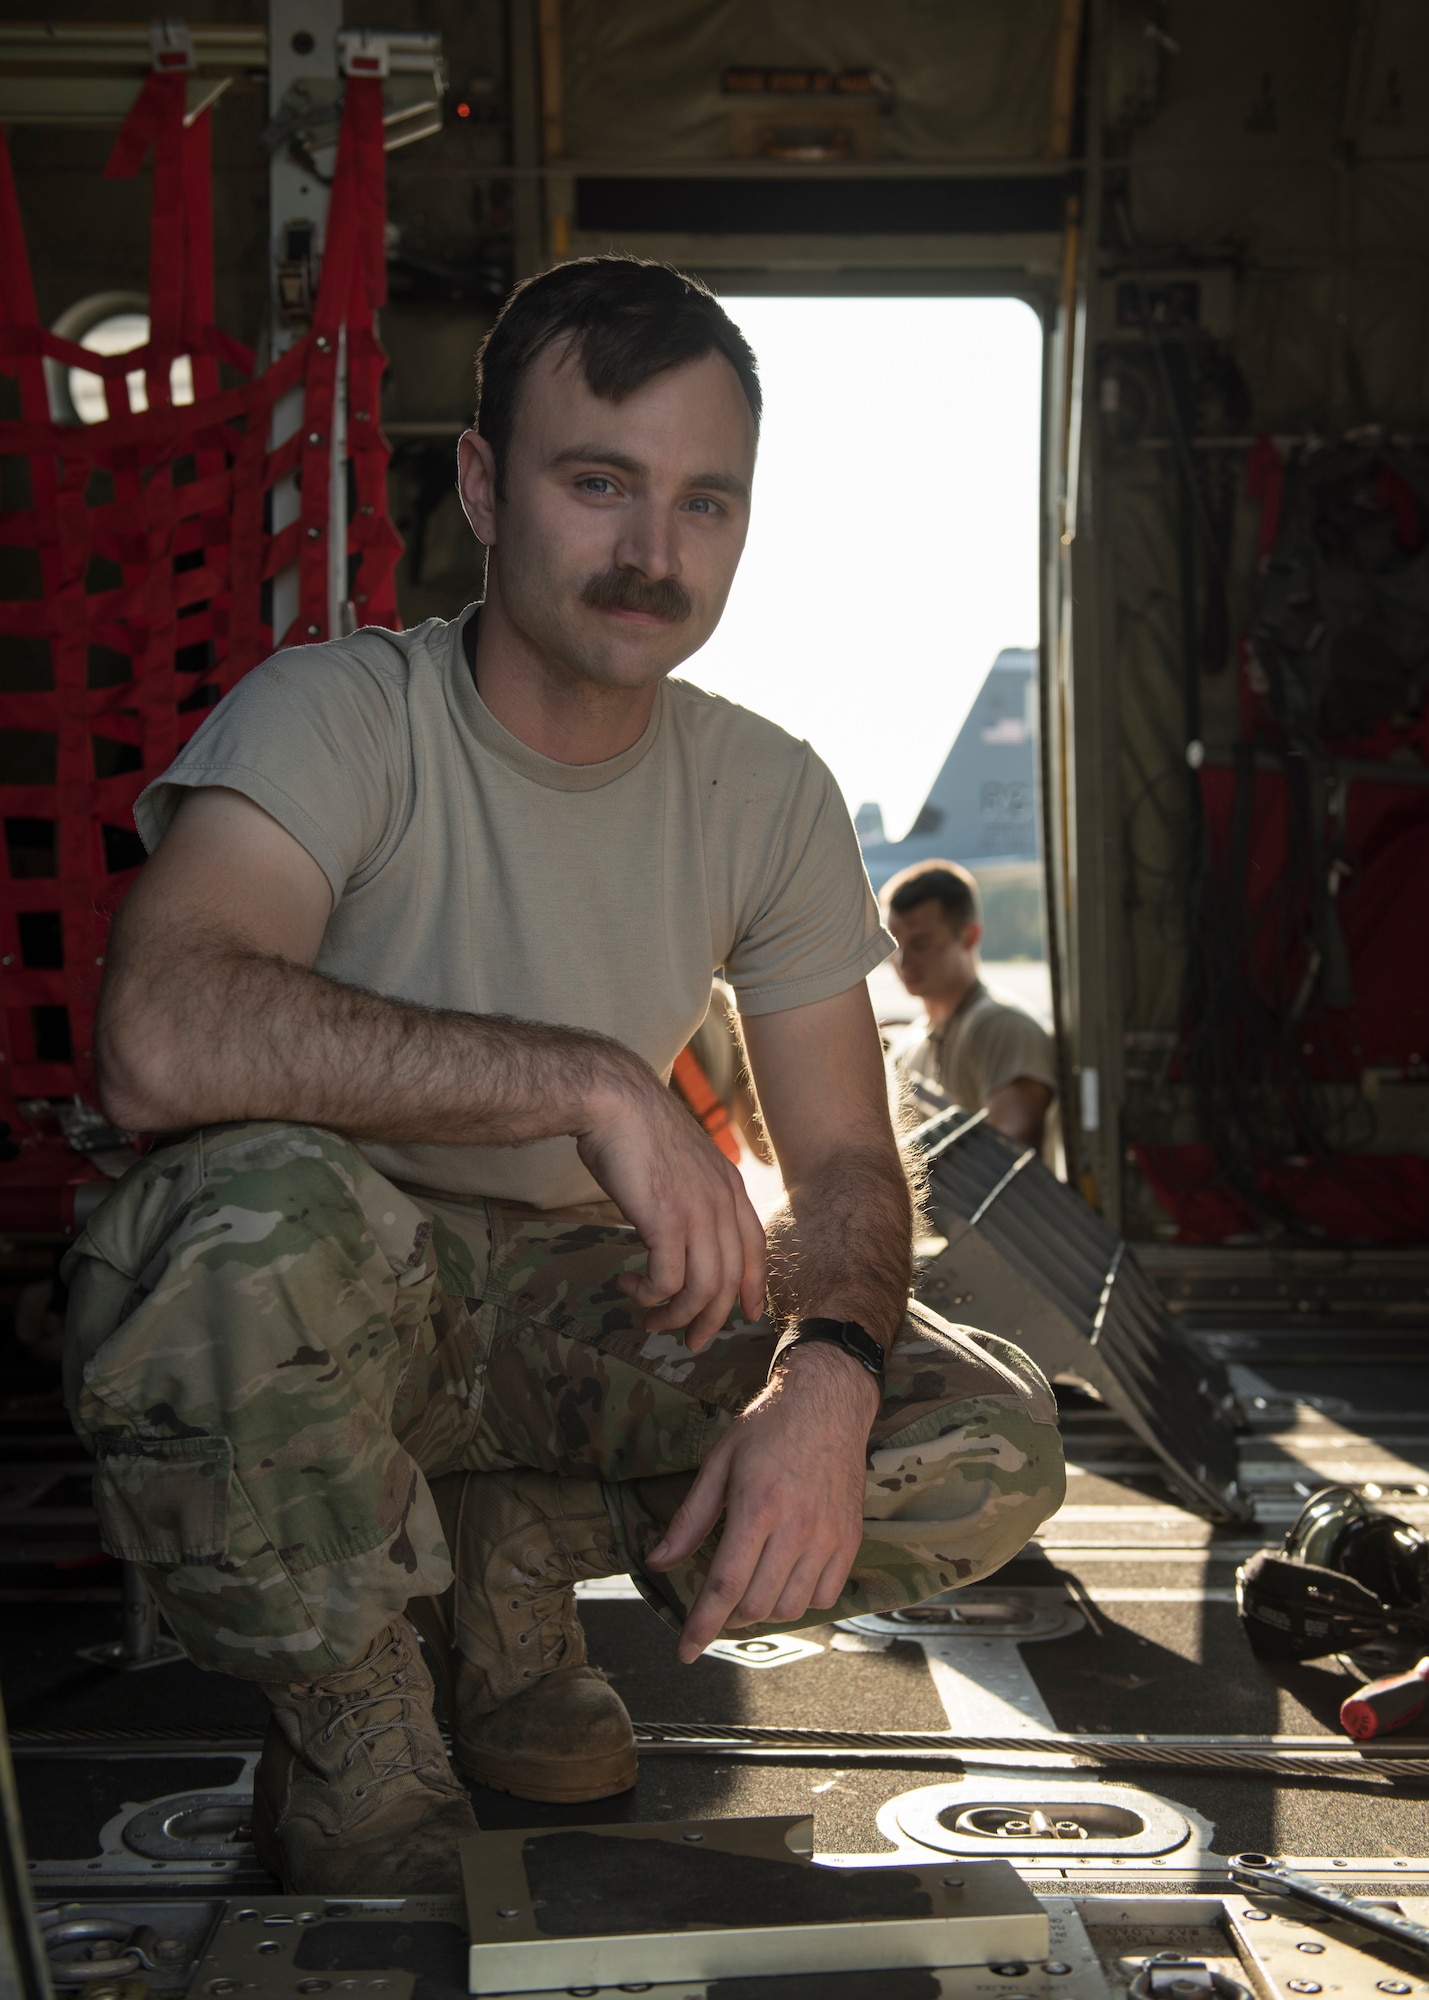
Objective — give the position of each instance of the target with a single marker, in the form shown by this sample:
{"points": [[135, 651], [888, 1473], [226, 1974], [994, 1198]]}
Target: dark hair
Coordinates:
{"points": [[628, 318], [937, 882]]}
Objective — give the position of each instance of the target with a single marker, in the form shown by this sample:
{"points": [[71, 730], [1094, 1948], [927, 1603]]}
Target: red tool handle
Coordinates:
{"points": [[1380, 1707]]}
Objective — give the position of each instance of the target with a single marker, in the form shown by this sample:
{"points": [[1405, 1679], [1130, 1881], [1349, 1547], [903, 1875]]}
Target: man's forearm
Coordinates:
{"points": [[789, 1476], [221, 1032], [842, 1246]]}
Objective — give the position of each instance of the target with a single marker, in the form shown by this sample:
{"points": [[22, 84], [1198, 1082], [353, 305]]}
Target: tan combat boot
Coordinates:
{"points": [[353, 1794], [528, 1715]]}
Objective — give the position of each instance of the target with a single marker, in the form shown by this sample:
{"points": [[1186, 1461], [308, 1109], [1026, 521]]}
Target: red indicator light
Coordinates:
{"points": [[463, 111]]}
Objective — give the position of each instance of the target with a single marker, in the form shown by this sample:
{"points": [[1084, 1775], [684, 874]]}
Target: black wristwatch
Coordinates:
{"points": [[845, 1333]]}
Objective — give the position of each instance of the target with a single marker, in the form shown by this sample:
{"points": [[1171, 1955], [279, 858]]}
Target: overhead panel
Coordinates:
{"points": [[734, 136], [905, 81]]}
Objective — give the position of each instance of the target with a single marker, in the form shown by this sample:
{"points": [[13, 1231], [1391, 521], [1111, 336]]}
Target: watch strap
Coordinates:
{"points": [[854, 1339]]}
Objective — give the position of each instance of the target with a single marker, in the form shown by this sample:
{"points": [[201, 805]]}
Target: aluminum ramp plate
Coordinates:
{"points": [[1023, 1256]]}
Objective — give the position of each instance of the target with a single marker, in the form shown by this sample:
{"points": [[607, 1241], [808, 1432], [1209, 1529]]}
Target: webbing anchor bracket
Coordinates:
{"points": [[385, 52], [414, 110], [171, 47]]}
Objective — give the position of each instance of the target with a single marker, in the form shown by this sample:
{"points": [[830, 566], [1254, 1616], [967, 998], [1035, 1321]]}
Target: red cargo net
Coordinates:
{"points": [[140, 565]]}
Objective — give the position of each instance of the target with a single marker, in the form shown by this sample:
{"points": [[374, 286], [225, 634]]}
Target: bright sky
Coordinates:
{"points": [[893, 549]]}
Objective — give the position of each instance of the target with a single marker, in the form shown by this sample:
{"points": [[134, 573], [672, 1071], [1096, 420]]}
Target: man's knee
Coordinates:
{"points": [[238, 1324], [208, 1253], [274, 1577], [969, 1449], [218, 1193], [991, 1456], [934, 1367]]}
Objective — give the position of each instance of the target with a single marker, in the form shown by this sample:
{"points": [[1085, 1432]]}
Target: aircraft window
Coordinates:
{"points": [[107, 323]]}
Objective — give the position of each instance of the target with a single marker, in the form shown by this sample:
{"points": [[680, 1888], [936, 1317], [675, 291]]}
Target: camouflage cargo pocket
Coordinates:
{"points": [[163, 1500]]}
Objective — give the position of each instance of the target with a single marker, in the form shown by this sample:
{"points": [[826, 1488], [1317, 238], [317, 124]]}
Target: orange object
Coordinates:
{"points": [[1380, 1707], [705, 1101]]}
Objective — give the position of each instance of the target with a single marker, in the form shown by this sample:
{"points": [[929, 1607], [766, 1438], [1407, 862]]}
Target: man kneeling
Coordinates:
{"points": [[443, 1302]]}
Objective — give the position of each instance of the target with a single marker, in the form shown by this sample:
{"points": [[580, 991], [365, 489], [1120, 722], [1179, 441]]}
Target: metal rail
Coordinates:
{"points": [[1279, 1756], [1284, 1756], [94, 45]]}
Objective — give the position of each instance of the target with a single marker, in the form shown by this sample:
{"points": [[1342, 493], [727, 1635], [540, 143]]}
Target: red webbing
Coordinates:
{"points": [[353, 284], [142, 557], [1352, 1198]]}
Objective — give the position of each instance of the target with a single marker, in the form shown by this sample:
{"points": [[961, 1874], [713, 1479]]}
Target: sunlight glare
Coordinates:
{"points": [[893, 548]]}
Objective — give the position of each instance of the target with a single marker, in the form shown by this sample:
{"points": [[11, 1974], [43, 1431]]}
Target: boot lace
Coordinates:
{"points": [[549, 1602], [342, 1710]]}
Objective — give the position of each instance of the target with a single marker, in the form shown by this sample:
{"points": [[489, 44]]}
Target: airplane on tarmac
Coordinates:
{"points": [[982, 806]]}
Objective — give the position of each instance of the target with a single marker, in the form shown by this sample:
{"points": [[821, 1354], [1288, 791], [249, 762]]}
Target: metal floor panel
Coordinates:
{"points": [[1159, 1649], [1018, 1254]]}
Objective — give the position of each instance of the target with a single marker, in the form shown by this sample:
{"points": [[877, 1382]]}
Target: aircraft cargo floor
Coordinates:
{"points": [[1133, 1598]]}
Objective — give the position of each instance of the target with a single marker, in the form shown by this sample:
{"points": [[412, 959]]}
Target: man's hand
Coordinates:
{"points": [[789, 1475], [686, 1203], [789, 1480]]}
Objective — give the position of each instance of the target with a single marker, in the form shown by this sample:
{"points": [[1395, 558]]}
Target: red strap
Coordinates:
{"points": [[20, 328], [352, 285], [156, 122], [197, 189], [17, 294], [149, 112]]}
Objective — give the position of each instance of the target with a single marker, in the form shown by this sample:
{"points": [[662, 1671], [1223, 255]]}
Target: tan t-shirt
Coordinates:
{"points": [[470, 872], [983, 1044]]}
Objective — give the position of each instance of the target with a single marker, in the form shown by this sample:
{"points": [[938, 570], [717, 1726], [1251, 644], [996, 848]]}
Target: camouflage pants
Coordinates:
{"points": [[271, 1350]]}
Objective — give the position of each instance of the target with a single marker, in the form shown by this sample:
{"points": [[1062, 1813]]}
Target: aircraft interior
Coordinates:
{"points": [[1178, 1746]]}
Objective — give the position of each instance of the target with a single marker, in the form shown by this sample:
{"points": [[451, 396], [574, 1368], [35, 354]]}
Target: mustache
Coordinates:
{"points": [[627, 590]]}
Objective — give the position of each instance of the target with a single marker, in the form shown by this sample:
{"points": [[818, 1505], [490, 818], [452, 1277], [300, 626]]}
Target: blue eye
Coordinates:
{"points": [[703, 506], [596, 482]]}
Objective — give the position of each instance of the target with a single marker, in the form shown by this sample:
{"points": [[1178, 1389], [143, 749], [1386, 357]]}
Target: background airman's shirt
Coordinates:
{"points": [[984, 1044], [470, 872]]}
